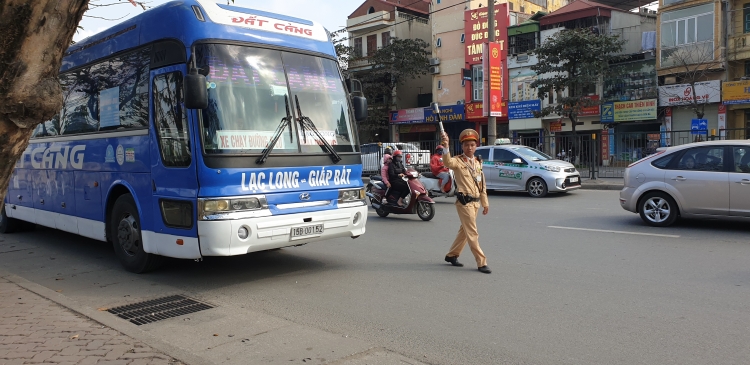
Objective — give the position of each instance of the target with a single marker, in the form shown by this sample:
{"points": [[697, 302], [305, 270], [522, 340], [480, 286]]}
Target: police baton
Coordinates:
{"points": [[436, 110]]}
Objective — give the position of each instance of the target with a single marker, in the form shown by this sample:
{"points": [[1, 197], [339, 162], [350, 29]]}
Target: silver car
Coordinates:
{"points": [[511, 167], [704, 179]]}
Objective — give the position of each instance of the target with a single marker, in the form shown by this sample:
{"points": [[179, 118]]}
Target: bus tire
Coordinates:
{"points": [[9, 225], [127, 239]]}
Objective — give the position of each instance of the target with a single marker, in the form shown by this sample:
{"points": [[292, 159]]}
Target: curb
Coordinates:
{"points": [[108, 320]]}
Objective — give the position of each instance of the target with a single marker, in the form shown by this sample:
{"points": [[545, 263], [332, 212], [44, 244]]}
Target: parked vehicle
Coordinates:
{"points": [[704, 179], [372, 155], [417, 202], [510, 167], [434, 185]]}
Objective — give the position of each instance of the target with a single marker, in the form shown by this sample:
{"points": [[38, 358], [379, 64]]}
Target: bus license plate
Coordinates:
{"points": [[315, 230], [573, 179]]}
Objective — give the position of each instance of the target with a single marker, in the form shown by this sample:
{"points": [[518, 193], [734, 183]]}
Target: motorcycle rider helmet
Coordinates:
{"points": [[397, 153], [439, 149], [388, 151]]}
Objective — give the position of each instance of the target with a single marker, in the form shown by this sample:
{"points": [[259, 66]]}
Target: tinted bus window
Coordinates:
{"points": [[170, 120], [109, 95]]}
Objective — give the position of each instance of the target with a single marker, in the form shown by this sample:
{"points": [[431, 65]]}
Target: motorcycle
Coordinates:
{"points": [[434, 187], [417, 202]]}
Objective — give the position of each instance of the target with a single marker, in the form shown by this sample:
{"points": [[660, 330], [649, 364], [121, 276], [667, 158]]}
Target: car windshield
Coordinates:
{"points": [[248, 92], [531, 153]]}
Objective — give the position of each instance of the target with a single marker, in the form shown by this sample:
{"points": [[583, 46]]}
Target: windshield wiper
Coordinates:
{"points": [[285, 122], [306, 123]]}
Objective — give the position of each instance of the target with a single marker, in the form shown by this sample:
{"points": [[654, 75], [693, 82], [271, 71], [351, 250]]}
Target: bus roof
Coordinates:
{"points": [[181, 20]]}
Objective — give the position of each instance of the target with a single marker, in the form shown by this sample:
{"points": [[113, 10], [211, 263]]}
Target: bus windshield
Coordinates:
{"points": [[248, 93]]}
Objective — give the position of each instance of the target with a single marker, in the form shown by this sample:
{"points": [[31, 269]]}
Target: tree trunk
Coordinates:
{"points": [[34, 36]]}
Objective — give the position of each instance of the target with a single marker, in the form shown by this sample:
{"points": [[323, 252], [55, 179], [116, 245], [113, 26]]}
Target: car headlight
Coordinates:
{"points": [[213, 206], [351, 195], [551, 168]]}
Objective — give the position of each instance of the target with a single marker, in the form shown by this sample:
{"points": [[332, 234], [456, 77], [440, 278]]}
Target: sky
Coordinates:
{"points": [[331, 13]]}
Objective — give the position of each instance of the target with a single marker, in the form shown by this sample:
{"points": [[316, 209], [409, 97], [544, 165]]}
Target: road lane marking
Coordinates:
{"points": [[616, 232]]}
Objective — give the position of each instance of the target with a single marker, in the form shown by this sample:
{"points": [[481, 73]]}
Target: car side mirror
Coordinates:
{"points": [[196, 94], [360, 108], [517, 161]]}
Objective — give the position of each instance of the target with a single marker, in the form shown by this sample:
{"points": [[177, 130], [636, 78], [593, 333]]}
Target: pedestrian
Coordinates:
{"points": [[472, 191]]}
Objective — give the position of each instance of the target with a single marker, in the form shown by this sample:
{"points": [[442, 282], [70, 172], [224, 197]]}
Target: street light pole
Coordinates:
{"points": [[491, 121]]}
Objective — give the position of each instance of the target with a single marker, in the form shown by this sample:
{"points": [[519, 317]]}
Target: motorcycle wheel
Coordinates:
{"points": [[425, 211], [381, 213]]}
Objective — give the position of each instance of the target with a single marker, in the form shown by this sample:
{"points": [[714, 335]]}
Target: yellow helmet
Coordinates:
{"points": [[467, 135]]}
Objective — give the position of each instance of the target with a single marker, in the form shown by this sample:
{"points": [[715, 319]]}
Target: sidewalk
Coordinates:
{"points": [[35, 330], [604, 183]]}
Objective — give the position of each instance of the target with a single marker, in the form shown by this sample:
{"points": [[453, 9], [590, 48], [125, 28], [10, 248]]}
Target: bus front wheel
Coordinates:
{"points": [[8, 225], [125, 231]]}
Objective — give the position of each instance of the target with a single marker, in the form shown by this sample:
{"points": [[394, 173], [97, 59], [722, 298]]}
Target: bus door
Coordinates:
{"points": [[173, 167]]}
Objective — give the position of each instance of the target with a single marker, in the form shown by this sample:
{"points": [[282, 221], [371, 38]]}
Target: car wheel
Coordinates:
{"points": [[536, 187], [658, 209], [425, 211], [126, 236], [381, 213]]}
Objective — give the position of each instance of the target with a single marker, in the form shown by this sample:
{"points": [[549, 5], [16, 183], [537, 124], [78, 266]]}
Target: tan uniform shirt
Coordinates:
{"points": [[465, 177]]}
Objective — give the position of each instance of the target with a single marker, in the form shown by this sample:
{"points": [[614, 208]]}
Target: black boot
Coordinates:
{"points": [[485, 269], [453, 261]]}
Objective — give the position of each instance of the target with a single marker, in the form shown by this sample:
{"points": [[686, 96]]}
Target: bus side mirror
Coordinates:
{"points": [[360, 108], [196, 94]]}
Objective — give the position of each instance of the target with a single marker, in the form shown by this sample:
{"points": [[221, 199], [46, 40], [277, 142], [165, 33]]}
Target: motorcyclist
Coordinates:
{"points": [[396, 171], [387, 153], [438, 169]]}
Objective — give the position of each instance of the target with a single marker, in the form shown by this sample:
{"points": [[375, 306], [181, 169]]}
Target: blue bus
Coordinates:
{"points": [[197, 129]]}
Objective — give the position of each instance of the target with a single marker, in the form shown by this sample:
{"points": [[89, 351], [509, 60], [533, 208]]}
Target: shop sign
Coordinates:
{"points": [[493, 65], [624, 111], [523, 109], [448, 113], [699, 126], [735, 92], [475, 110], [413, 115], [591, 110], [476, 28], [555, 127], [682, 94], [417, 128], [605, 145]]}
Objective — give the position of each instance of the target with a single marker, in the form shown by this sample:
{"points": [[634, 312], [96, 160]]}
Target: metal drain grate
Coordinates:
{"points": [[158, 309]]}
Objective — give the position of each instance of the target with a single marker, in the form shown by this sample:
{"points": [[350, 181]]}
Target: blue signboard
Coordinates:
{"points": [[663, 139], [699, 126], [448, 113], [608, 112], [523, 109]]}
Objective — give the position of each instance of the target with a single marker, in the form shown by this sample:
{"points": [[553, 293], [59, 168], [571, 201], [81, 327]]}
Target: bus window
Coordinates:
{"points": [[170, 120]]}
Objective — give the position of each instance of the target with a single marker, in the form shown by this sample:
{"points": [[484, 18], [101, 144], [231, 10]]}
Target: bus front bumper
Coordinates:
{"points": [[222, 237]]}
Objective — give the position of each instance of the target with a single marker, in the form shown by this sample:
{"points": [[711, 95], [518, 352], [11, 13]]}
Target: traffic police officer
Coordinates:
{"points": [[472, 190]]}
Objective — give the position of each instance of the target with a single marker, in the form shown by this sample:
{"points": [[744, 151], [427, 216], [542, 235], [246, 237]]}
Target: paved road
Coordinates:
{"points": [[558, 294]]}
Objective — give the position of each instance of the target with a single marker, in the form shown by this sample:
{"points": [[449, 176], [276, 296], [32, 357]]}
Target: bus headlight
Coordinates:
{"points": [[351, 195], [208, 207]]}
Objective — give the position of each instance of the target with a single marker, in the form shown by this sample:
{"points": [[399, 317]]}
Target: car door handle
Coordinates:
{"points": [[744, 182], [679, 178]]}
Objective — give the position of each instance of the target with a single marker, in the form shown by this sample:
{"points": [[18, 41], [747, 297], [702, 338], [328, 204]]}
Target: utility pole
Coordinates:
{"points": [[491, 121]]}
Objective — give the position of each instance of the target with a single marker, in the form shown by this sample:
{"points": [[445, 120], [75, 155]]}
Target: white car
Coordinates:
{"points": [[512, 167], [372, 155]]}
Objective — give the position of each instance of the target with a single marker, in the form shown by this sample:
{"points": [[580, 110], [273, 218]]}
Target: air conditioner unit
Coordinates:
{"points": [[460, 102], [434, 61], [435, 69]]}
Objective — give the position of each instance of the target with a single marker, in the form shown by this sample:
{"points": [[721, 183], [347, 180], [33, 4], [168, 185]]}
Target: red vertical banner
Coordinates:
{"points": [[605, 146], [476, 28], [492, 62]]}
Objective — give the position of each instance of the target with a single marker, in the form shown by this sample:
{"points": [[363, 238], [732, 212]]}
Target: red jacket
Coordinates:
{"points": [[436, 164]]}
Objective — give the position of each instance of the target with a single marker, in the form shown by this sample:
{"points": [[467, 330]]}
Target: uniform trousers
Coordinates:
{"points": [[468, 233]]}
